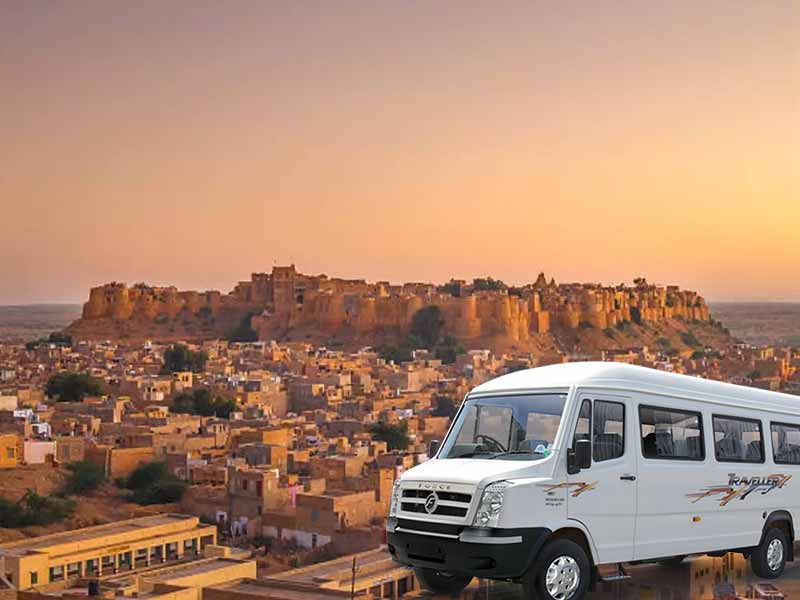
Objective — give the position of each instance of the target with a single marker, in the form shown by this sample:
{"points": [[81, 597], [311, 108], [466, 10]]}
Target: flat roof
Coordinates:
{"points": [[91, 533], [194, 567], [333, 570], [634, 377]]}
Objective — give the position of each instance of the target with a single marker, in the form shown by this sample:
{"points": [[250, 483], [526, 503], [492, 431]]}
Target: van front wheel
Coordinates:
{"points": [[768, 559], [441, 583], [562, 572]]}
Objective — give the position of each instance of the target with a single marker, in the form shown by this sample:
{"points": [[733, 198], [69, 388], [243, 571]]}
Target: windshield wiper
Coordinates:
{"points": [[516, 452], [471, 454]]}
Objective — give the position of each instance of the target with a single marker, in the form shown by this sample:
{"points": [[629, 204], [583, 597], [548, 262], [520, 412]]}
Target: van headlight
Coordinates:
{"points": [[394, 501], [488, 513]]}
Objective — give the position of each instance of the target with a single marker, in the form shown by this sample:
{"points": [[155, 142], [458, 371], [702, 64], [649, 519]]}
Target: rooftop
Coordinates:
{"points": [[141, 524]]}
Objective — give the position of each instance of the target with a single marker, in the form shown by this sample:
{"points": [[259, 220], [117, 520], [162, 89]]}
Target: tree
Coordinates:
{"points": [[395, 436], [178, 357], [426, 326], [201, 402], [448, 350], [33, 509], [73, 387], [244, 332], [152, 483], [445, 407], [396, 354], [57, 338], [84, 477], [487, 284]]}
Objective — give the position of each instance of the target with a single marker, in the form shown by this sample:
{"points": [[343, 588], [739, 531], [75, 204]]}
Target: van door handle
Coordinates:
{"points": [[628, 477]]}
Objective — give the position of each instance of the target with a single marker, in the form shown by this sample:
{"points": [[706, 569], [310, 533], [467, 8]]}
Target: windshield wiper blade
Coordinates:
{"points": [[517, 452], [471, 454]]}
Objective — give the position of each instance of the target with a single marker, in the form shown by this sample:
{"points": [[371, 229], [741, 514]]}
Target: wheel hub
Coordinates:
{"points": [[562, 578], [775, 554]]}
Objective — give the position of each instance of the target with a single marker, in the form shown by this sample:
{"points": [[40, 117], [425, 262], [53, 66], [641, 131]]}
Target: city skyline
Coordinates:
{"points": [[195, 143]]}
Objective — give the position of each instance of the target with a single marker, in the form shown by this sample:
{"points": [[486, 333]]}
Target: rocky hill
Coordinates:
{"points": [[290, 306]]}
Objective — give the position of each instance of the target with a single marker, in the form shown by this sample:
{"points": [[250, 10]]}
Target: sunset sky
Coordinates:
{"points": [[191, 143]]}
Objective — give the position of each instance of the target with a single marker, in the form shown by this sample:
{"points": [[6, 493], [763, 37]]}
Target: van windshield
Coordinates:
{"points": [[506, 427]]}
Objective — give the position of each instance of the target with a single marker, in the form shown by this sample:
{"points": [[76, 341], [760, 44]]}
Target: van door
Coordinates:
{"points": [[674, 473], [603, 497]]}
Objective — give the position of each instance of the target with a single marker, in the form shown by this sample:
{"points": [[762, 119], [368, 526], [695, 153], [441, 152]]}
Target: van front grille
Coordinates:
{"points": [[447, 496], [448, 503]]}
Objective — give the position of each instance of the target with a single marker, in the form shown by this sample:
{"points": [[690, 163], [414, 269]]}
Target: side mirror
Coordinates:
{"points": [[433, 448], [579, 457]]}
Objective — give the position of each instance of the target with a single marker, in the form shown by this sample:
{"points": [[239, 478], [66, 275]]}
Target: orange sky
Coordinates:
{"points": [[195, 143]]}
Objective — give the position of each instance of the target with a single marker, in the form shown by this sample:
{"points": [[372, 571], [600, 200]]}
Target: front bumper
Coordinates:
{"points": [[489, 553]]}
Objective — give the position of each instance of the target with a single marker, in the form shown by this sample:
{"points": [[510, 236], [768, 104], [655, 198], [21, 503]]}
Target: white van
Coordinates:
{"points": [[548, 473]]}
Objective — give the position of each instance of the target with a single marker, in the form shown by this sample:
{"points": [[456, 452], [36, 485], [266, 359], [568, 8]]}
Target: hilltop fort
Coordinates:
{"points": [[285, 304]]}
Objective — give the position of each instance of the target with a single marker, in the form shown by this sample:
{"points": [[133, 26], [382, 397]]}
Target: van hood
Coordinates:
{"points": [[474, 471]]}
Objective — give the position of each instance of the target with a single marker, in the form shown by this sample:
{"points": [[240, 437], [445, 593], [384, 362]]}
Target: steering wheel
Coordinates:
{"points": [[495, 446]]}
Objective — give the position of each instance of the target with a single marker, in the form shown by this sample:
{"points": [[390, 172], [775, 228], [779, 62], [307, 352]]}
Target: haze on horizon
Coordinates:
{"points": [[196, 142]]}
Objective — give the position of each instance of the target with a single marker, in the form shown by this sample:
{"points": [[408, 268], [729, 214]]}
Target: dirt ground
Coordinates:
{"points": [[104, 505]]}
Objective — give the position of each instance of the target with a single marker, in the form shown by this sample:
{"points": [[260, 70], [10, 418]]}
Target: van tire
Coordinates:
{"points": [[768, 559], [441, 583], [556, 557]]}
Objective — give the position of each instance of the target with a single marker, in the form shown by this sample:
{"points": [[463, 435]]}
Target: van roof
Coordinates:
{"points": [[632, 377]]}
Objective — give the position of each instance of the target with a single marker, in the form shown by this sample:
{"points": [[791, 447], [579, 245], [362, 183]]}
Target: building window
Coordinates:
{"points": [[109, 563], [74, 569], [244, 484], [141, 557], [608, 432], [34, 577], [156, 554], [738, 440], [190, 546], [206, 540], [10, 452], [785, 443], [92, 566], [125, 560], [671, 434], [172, 550], [56, 573]]}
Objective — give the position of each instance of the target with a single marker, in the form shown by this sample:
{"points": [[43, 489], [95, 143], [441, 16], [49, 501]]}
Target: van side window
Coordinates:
{"points": [[738, 440], [785, 443], [608, 431], [584, 426], [671, 434]]}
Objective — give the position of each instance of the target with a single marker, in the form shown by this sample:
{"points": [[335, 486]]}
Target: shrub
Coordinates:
{"points": [[201, 402], [84, 477], [33, 509], [73, 387], [179, 358], [151, 483], [395, 436]]}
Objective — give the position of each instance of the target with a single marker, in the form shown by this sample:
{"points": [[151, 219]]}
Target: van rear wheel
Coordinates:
{"points": [[440, 582], [768, 559], [562, 572]]}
